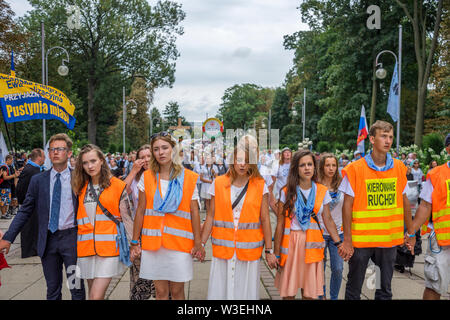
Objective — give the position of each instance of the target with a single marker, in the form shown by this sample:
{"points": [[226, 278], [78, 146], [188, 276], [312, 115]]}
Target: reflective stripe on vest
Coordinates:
{"points": [[315, 244], [100, 240], [377, 213], [170, 230], [246, 240], [440, 205]]}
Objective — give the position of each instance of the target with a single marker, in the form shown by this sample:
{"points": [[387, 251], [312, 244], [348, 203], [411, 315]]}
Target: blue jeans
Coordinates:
{"points": [[337, 266]]}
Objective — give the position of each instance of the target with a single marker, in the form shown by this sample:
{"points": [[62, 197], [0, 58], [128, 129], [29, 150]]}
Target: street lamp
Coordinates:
{"points": [[63, 70], [380, 73]]}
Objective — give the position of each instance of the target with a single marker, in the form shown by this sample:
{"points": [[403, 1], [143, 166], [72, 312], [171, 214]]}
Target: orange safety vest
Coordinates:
{"points": [[171, 230], [315, 243], [440, 203], [101, 239], [377, 214], [247, 240]]}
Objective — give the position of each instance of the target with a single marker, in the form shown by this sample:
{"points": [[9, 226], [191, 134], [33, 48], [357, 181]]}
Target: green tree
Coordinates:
{"points": [[117, 39], [172, 113]]}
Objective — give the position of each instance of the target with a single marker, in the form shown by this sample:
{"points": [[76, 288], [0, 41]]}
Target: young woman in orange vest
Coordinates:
{"points": [[98, 255], [299, 243], [329, 176], [140, 289], [167, 220], [240, 233]]}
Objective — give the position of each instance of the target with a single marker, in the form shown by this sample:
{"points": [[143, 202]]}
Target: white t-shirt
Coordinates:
{"points": [[346, 187], [164, 185], [281, 173], [212, 190], [295, 225]]}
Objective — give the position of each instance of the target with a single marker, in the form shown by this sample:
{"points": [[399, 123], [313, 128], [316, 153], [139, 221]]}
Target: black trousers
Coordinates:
{"points": [[61, 249], [384, 258]]}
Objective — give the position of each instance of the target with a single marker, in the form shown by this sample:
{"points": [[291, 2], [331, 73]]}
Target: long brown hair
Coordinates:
{"points": [[293, 180], [144, 147], [252, 171], [80, 178], [336, 179], [175, 156]]}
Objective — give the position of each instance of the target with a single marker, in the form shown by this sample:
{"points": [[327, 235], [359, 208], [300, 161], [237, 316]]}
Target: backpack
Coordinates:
{"points": [[7, 172]]}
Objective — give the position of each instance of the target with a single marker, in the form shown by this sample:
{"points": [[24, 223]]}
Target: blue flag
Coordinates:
{"points": [[394, 94], [13, 69]]}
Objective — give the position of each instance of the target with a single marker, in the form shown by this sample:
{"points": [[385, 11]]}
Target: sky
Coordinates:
{"points": [[225, 42]]}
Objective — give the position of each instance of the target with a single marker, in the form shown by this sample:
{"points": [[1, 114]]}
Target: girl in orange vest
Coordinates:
{"points": [[98, 254], [298, 237], [167, 220], [239, 233]]}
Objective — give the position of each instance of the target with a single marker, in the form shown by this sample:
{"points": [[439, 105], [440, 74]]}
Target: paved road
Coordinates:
{"points": [[25, 280]]}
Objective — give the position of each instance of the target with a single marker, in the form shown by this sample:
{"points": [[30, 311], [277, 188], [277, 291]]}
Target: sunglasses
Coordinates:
{"points": [[159, 134]]}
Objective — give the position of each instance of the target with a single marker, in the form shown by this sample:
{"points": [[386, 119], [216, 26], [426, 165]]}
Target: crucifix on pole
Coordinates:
{"points": [[179, 127]]}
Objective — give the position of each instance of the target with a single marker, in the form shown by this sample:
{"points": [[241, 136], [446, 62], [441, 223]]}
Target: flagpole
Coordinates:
{"points": [[399, 84], [43, 76]]}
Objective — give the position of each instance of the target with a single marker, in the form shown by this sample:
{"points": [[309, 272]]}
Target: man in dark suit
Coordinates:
{"points": [[50, 196], [29, 233]]}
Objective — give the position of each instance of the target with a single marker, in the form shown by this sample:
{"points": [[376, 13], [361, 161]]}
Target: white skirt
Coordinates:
{"points": [[165, 264], [100, 267], [233, 279]]}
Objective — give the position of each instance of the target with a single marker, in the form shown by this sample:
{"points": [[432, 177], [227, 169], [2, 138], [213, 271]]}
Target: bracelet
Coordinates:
{"points": [[134, 242], [410, 235], [203, 245], [278, 257]]}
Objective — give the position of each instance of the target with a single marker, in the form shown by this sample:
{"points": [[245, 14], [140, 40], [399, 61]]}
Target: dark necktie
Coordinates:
{"points": [[56, 204]]}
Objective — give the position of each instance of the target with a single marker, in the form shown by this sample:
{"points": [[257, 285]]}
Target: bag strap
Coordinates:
{"points": [[105, 211], [235, 203], [313, 214]]}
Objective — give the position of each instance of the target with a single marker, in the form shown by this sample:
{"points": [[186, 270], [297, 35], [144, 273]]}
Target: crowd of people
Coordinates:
{"points": [[140, 210]]}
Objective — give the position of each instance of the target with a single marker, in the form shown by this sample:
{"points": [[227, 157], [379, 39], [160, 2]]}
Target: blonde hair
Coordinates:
{"points": [[176, 160], [80, 178], [252, 171], [61, 137], [380, 125]]}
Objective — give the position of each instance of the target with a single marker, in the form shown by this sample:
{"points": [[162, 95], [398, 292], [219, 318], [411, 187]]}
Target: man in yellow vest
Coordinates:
{"points": [[374, 212], [435, 203]]}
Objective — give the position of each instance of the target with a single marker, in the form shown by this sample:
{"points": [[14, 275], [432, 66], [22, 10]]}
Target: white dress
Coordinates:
{"points": [[281, 173], [234, 279], [96, 266], [166, 264]]}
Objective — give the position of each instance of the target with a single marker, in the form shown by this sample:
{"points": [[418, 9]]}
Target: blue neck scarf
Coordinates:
{"points": [[335, 198], [303, 211], [389, 162], [173, 196], [35, 165]]}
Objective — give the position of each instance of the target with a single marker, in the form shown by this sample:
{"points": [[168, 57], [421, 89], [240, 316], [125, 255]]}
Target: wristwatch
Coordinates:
{"points": [[269, 251], [338, 243]]}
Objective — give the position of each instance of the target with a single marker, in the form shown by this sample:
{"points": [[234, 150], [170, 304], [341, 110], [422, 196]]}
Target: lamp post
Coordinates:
{"points": [[63, 70], [133, 112], [151, 123], [380, 73]]}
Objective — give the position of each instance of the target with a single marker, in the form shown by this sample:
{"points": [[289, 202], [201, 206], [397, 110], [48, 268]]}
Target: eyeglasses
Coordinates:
{"points": [[159, 134], [59, 149]]}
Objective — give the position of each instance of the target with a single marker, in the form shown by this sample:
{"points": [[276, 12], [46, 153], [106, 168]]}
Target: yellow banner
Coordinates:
{"points": [[10, 87]]}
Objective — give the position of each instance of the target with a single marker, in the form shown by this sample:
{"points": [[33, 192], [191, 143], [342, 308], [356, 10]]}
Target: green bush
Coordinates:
{"points": [[323, 146], [434, 141], [112, 148]]}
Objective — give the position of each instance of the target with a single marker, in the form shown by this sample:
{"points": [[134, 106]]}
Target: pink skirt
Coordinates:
{"points": [[296, 273]]}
